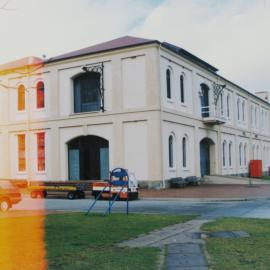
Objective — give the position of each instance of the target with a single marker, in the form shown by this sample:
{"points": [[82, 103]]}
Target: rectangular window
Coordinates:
{"points": [[41, 151], [21, 153]]}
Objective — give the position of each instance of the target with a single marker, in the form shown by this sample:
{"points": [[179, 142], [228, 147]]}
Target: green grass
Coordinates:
{"points": [[243, 253], [78, 242]]}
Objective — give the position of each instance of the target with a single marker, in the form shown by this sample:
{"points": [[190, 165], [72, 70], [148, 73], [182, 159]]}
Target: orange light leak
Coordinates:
{"points": [[22, 228], [22, 245]]}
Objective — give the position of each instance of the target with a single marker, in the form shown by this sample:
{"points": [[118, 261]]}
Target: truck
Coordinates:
{"points": [[72, 189]]}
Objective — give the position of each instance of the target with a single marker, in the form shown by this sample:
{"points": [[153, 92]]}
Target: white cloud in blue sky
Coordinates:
{"points": [[232, 35]]}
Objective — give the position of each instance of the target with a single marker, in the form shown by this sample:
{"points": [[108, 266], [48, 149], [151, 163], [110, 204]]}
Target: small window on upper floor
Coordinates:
{"points": [[238, 109], [40, 95], [182, 89], [228, 106], [243, 110], [169, 83], [21, 98], [87, 92], [221, 104]]}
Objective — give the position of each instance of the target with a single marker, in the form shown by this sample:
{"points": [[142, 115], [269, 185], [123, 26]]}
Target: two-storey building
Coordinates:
{"points": [[145, 105]]}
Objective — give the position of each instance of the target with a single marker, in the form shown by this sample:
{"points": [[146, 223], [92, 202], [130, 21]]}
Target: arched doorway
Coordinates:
{"points": [[207, 156], [88, 158], [204, 100]]}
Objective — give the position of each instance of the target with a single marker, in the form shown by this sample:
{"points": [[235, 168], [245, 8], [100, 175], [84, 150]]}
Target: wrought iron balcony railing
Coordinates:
{"points": [[212, 115]]}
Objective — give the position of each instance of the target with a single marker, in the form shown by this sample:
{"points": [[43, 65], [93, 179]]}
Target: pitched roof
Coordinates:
{"points": [[25, 62], [188, 55], [119, 43]]}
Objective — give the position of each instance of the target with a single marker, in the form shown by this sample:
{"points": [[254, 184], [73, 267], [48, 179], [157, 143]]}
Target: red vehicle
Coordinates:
{"points": [[9, 195]]}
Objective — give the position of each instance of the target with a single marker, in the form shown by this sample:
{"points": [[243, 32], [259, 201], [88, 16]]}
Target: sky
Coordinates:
{"points": [[232, 35]]}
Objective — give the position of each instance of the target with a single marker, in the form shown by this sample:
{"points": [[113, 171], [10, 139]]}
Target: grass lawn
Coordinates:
{"points": [[78, 242], [244, 253]]}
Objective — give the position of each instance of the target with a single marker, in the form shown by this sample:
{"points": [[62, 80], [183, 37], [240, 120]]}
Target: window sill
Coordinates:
{"points": [[172, 170], [21, 172], [41, 172], [170, 100], [40, 109], [83, 113], [21, 112]]}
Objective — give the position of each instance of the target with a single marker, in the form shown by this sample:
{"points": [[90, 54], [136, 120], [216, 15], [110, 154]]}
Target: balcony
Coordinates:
{"points": [[212, 115]]}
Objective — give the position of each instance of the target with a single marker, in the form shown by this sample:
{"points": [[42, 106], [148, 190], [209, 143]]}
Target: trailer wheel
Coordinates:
{"points": [[71, 195], [81, 194], [4, 205]]}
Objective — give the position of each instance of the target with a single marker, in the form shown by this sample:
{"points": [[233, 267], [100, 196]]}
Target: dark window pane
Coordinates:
{"points": [[171, 151], [182, 90], [40, 95], [87, 92], [168, 80]]}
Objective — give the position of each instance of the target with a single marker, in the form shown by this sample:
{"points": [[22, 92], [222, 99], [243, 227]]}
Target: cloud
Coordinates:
{"points": [[232, 35], [57, 26]]}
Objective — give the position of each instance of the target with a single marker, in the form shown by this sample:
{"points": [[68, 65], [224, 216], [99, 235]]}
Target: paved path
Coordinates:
{"points": [[183, 250], [255, 209]]}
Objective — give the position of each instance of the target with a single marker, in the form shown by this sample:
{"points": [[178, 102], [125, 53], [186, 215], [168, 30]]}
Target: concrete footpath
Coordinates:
{"points": [[180, 250]]}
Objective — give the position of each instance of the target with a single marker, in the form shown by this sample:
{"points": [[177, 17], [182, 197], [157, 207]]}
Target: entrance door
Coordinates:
{"points": [[74, 164], [205, 100], [88, 158], [205, 158], [104, 163]]}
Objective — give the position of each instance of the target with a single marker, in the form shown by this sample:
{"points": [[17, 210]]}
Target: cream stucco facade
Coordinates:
{"points": [[138, 120]]}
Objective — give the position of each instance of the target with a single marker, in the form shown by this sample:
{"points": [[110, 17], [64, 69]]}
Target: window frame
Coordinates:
{"points": [[38, 93], [171, 161], [21, 98], [41, 142], [21, 153], [182, 89]]}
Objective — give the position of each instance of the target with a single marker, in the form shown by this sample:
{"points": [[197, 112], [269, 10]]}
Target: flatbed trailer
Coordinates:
{"points": [[73, 189]]}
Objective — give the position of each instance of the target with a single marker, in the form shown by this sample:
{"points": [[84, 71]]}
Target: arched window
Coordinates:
{"points": [[40, 95], [255, 118], [204, 100], [182, 89], [87, 92], [240, 155], [245, 154], [21, 98], [184, 148], [230, 154], [243, 110], [171, 161], [252, 114], [224, 146], [253, 152], [257, 152], [168, 81], [238, 108], [228, 106], [221, 104]]}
